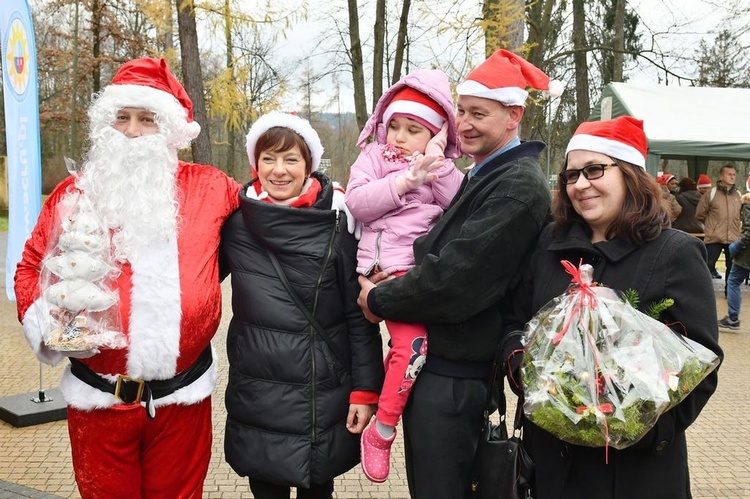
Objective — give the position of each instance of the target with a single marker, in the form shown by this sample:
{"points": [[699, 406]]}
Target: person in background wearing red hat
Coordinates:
{"points": [[666, 181], [608, 214], [398, 188], [720, 210], [305, 366], [467, 268], [704, 183], [140, 416]]}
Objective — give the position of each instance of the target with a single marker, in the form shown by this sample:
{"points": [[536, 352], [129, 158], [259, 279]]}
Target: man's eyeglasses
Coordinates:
{"points": [[590, 172]]}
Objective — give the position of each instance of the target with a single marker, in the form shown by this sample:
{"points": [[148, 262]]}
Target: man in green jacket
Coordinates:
{"points": [[467, 269]]}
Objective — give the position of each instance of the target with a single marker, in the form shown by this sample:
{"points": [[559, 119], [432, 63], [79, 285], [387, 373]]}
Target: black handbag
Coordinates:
{"points": [[502, 467]]}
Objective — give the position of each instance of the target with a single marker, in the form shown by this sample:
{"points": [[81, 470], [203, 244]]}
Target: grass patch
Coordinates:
{"points": [[3, 223]]}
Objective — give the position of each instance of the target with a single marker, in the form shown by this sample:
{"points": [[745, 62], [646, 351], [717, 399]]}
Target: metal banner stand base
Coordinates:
{"points": [[33, 408]]}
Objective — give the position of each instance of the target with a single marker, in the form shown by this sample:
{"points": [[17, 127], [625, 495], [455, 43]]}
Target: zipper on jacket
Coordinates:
{"points": [[376, 260], [314, 435]]}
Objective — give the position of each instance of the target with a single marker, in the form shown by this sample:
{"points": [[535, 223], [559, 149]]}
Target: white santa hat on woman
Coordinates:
{"points": [[285, 120], [147, 83], [504, 77], [622, 138]]}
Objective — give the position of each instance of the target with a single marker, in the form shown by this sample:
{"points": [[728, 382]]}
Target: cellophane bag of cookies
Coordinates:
{"points": [[598, 372], [77, 280]]}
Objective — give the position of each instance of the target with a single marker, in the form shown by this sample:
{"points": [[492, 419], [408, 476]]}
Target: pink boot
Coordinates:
{"points": [[376, 453]]}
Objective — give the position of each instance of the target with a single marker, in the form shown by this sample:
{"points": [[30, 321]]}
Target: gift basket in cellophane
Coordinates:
{"points": [[598, 372]]}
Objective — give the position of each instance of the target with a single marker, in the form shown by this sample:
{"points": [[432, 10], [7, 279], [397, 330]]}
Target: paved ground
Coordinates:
{"points": [[35, 461]]}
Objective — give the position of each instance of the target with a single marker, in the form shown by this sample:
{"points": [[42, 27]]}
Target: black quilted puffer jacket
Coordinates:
{"points": [[288, 393]]}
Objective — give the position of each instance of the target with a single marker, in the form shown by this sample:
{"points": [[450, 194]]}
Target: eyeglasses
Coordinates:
{"points": [[590, 172]]}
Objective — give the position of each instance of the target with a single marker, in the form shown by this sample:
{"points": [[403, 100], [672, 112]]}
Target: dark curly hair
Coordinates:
{"points": [[642, 217]]}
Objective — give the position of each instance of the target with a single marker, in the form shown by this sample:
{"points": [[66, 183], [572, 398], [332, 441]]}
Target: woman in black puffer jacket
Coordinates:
{"points": [[296, 401]]}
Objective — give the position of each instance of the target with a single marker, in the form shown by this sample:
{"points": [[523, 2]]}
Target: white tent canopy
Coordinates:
{"points": [[693, 123]]}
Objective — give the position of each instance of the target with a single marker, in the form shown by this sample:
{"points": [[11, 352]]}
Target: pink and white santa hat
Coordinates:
{"points": [[147, 83], [504, 77], [415, 105], [621, 138], [285, 120]]}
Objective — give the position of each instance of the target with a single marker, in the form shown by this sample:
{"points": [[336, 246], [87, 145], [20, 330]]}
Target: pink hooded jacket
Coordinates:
{"points": [[392, 223]]}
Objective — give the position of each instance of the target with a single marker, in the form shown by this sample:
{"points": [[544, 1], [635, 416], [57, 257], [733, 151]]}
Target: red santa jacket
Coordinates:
{"points": [[170, 299]]}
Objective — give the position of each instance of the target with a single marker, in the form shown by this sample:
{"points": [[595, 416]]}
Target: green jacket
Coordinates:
{"points": [[743, 257]]}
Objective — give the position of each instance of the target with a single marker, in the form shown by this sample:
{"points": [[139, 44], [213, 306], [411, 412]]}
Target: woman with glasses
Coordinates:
{"points": [[608, 214]]}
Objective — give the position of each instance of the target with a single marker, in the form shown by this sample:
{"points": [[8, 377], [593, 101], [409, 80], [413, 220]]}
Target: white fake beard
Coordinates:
{"points": [[131, 183]]}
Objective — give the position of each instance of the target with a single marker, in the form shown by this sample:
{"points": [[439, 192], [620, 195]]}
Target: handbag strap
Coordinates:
{"points": [[496, 395], [308, 315]]}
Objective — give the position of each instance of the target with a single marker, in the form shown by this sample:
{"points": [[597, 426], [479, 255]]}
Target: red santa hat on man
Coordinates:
{"points": [[286, 120], [413, 104], [504, 77], [704, 181], [621, 138], [147, 83]]}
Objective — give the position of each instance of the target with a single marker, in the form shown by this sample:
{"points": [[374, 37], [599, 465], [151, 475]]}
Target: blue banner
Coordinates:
{"points": [[21, 129]]}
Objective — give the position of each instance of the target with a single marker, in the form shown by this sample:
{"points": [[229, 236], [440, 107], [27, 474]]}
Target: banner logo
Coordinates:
{"points": [[17, 57]]}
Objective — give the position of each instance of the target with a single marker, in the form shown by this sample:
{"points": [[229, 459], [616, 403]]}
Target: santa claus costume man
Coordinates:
{"points": [[140, 416]]}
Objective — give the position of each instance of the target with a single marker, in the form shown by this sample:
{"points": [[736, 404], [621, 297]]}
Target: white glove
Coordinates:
{"points": [[352, 225], [420, 171]]}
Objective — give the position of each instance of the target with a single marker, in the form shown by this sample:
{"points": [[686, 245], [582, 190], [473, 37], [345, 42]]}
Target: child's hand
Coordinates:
{"points": [[420, 172], [359, 416], [436, 145]]}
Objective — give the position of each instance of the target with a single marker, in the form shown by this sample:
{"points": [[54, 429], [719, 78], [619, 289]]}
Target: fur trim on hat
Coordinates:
{"points": [[291, 121], [171, 116]]}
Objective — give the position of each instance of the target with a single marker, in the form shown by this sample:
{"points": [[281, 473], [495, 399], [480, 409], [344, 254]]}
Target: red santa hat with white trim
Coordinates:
{"points": [[285, 120], [704, 181], [147, 83], [621, 138], [413, 104], [504, 77]]}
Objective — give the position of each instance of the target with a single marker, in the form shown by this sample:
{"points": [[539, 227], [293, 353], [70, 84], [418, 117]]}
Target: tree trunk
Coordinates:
{"points": [[233, 137], [583, 109], [193, 78], [74, 85], [358, 70], [539, 15], [401, 41], [377, 52], [619, 41], [97, 7], [503, 22]]}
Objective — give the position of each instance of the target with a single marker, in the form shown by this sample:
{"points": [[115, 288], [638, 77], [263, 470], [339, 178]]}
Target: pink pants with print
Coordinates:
{"points": [[402, 365]]}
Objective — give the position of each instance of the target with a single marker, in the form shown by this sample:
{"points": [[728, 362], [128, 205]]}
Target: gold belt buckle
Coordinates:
{"points": [[141, 386]]}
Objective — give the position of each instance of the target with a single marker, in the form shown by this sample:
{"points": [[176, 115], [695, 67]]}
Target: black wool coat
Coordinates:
{"points": [[671, 266], [471, 261], [287, 396]]}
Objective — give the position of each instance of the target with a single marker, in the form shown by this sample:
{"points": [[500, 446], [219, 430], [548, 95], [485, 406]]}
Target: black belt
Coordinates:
{"points": [[131, 390]]}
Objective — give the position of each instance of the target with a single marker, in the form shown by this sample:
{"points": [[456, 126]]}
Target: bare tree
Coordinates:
{"points": [[377, 52], [619, 41], [398, 59], [358, 72], [580, 47], [193, 78]]}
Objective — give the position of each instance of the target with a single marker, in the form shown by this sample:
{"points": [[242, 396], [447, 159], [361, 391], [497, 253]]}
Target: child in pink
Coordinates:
{"points": [[398, 189]]}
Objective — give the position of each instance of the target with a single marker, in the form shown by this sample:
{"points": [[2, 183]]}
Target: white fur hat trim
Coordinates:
{"points": [[292, 122], [509, 96]]}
